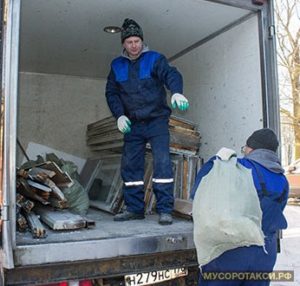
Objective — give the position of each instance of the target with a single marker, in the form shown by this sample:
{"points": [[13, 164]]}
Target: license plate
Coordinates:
{"points": [[153, 277]]}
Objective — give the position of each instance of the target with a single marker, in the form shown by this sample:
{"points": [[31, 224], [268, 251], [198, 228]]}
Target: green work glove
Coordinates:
{"points": [[124, 124], [180, 101]]}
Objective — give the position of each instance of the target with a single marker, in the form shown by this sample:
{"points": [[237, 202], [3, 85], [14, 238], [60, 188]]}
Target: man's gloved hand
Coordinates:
{"points": [[180, 101], [124, 124]]}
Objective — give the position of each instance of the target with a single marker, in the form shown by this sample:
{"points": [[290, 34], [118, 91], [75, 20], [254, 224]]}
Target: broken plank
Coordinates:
{"points": [[61, 178], [37, 170], [35, 225], [24, 189], [21, 223], [39, 186], [24, 203]]}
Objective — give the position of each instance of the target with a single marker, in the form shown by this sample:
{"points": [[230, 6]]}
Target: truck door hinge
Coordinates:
{"points": [[272, 31], [4, 213]]}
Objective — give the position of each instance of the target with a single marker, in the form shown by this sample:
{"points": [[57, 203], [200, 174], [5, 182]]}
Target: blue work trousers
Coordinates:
{"points": [[241, 260], [156, 132]]}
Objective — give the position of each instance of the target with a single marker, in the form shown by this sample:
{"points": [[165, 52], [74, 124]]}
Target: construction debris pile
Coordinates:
{"points": [[52, 195], [48, 194], [102, 177]]}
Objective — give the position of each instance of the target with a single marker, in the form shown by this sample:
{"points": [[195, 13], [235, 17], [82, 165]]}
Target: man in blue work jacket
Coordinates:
{"points": [[136, 96], [272, 189]]}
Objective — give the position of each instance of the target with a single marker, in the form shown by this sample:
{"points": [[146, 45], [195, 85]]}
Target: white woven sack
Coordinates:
{"points": [[226, 211]]}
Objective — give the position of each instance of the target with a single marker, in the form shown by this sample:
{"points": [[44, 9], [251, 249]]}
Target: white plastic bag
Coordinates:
{"points": [[226, 211]]}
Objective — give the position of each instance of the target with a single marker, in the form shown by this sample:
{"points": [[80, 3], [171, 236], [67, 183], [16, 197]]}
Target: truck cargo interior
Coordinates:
{"points": [[64, 59]]}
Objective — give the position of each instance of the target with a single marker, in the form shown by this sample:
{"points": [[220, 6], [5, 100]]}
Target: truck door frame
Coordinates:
{"points": [[11, 30]]}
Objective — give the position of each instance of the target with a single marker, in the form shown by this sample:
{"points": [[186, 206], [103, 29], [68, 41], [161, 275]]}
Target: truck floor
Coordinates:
{"points": [[106, 228]]}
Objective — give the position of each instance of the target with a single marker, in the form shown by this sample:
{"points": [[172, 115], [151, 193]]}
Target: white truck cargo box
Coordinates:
{"points": [[56, 57]]}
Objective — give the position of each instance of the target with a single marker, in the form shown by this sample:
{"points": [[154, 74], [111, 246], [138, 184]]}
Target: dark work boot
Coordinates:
{"points": [[126, 215], [165, 218]]}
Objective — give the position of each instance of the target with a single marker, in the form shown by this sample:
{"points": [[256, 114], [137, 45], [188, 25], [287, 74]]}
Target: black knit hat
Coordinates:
{"points": [[131, 28], [263, 139]]}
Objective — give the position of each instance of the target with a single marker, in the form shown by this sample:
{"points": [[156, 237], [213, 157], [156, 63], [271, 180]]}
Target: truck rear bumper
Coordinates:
{"points": [[104, 268]]}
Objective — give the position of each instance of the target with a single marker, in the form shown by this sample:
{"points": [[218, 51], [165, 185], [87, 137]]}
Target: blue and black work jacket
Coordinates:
{"points": [[136, 88], [272, 189]]}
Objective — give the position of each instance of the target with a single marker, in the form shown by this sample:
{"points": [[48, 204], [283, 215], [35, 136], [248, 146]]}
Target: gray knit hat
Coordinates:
{"points": [[263, 139], [131, 28]]}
